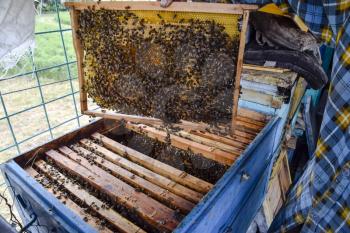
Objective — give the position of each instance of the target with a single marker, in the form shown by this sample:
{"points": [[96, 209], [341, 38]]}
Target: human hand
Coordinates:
{"points": [[165, 3]]}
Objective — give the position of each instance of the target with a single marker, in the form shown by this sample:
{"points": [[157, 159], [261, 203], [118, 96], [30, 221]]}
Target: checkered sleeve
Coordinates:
{"points": [[314, 15], [311, 11], [319, 201]]}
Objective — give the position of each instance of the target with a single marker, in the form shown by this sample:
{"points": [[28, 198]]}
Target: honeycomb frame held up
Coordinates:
{"points": [[225, 14]]}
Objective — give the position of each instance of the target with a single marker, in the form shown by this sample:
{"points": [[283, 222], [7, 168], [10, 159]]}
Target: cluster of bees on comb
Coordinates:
{"points": [[179, 70]]}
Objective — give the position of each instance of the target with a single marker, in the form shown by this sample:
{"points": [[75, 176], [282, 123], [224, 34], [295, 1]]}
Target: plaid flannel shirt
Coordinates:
{"points": [[320, 200]]}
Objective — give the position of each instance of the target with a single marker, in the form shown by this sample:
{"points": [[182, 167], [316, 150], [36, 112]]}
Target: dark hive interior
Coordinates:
{"points": [[74, 188], [179, 70], [184, 160], [130, 177]]}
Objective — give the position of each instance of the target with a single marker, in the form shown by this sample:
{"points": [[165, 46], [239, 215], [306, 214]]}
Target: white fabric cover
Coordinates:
{"points": [[17, 22]]}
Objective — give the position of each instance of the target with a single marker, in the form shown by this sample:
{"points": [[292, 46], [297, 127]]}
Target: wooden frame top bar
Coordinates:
{"points": [[175, 6]]}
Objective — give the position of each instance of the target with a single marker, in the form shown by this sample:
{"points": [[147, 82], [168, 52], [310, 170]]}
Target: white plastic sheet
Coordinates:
{"points": [[17, 22]]}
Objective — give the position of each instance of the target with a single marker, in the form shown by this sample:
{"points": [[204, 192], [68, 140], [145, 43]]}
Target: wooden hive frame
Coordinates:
{"points": [[155, 190], [236, 9]]}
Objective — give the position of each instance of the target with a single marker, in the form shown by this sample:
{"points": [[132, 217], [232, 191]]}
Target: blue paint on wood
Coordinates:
{"points": [[234, 201], [31, 198]]}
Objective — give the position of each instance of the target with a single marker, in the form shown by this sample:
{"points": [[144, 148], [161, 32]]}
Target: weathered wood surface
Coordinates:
{"points": [[298, 94], [149, 209], [240, 140], [74, 15], [209, 142], [251, 125], [109, 214], [242, 132], [279, 184], [119, 116], [264, 68], [261, 124], [232, 141], [107, 114], [91, 220], [262, 98], [183, 124], [145, 173], [273, 78], [239, 67], [175, 6], [154, 165], [155, 191], [249, 114], [101, 125], [215, 154]]}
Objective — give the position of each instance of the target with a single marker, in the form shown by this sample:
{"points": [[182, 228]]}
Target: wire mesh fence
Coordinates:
{"points": [[39, 98]]}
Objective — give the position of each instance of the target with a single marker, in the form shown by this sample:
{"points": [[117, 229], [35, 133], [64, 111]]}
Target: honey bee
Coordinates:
{"points": [[122, 73]]}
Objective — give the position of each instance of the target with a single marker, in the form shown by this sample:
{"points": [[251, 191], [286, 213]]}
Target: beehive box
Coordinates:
{"points": [[129, 173], [126, 49], [278, 187], [132, 177]]}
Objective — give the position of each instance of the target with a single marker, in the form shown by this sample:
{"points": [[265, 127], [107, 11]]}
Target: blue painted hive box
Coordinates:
{"points": [[116, 176]]}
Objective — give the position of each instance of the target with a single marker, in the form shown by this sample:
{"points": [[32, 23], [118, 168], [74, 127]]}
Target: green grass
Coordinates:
{"points": [[49, 49], [48, 52], [65, 18]]}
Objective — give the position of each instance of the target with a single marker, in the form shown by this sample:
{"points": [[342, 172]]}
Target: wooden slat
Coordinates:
{"points": [[149, 209], [209, 142], [245, 138], [149, 175], [245, 132], [296, 97], [237, 142], [186, 125], [109, 214], [262, 98], [264, 68], [189, 125], [248, 125], [175, 6], [119, 116], [101, 125], [240, 135], [246, 113], [201, 126], [284, 80], [251, 121], [241, 132], [220, 156], [279, 184], [92, 221], [74, 15], [239, 66], [154, 165], [155, 191]]}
